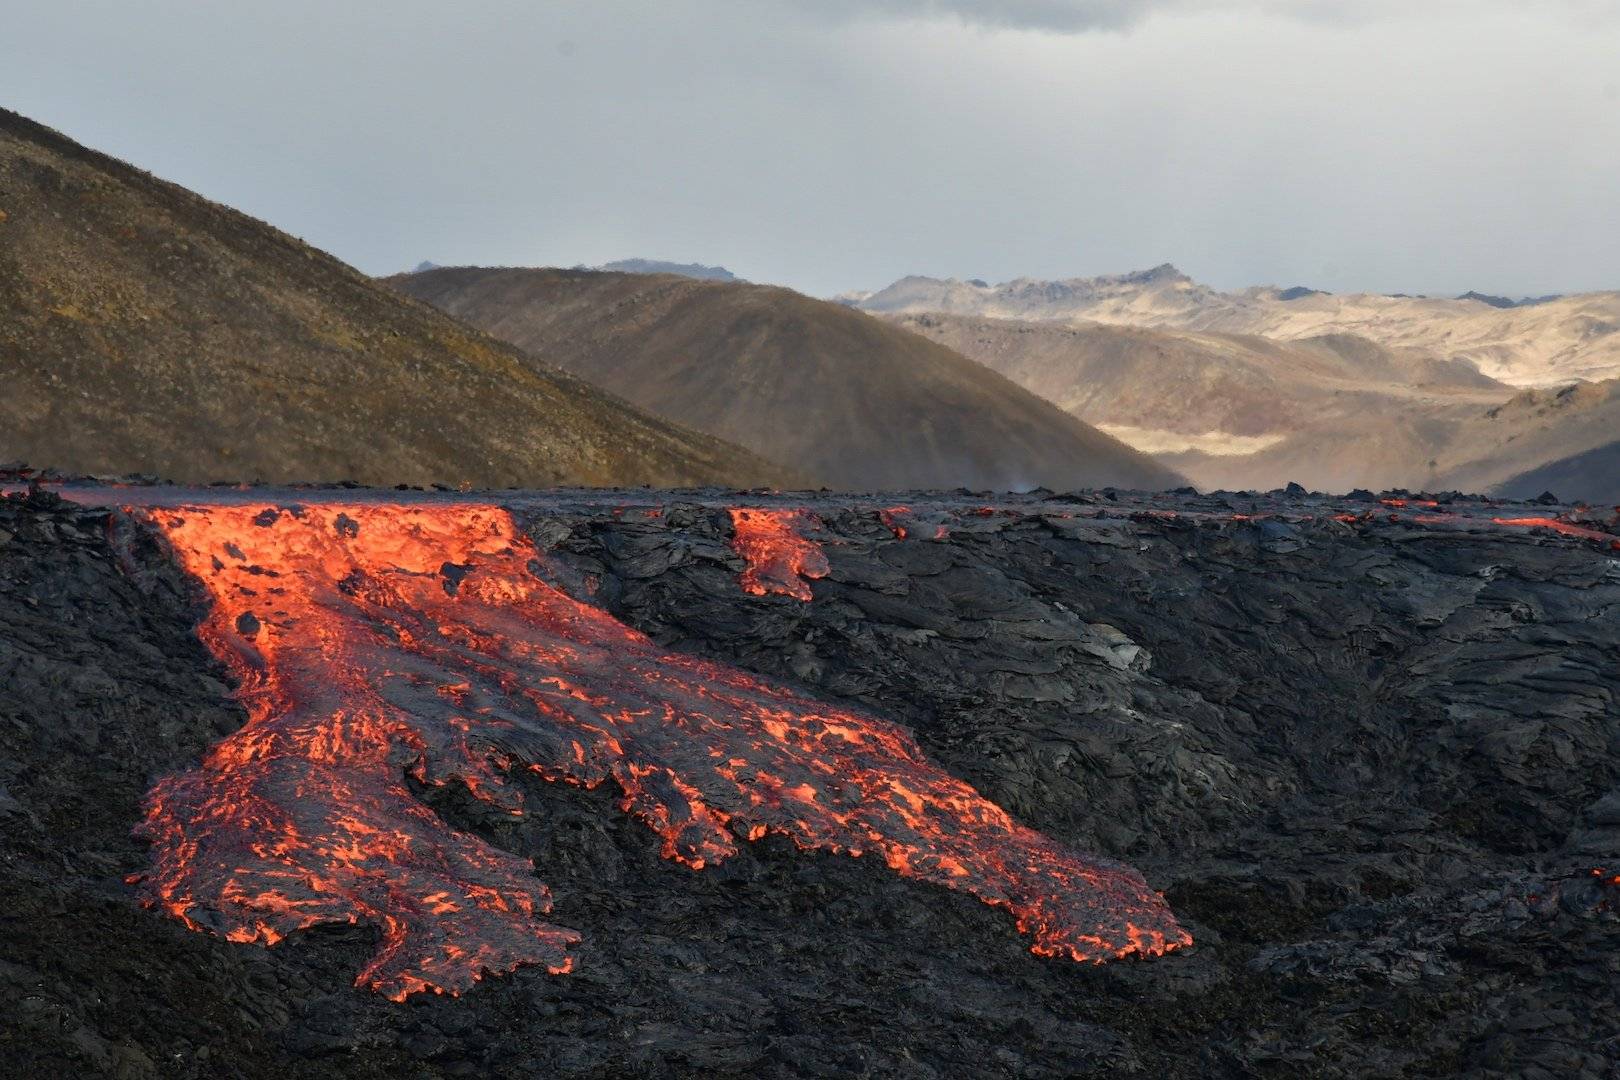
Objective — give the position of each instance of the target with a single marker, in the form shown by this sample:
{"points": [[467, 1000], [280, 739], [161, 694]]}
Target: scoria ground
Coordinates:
{"points": [[1369, 751]]}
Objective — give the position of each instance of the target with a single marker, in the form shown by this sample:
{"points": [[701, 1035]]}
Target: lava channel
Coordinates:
{"points": [[778, 555], [1561, 526], [375, 643]]}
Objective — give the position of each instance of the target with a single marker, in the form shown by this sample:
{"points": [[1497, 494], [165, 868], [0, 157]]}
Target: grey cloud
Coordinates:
{"points": [[1436, 146], [1066, 16], [1078, 16]]}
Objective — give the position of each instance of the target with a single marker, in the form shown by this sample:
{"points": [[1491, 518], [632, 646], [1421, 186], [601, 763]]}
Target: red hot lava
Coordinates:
{"points": [[778, 555], [1565, 527], [895, 518], [903, 522], [375, 642]]}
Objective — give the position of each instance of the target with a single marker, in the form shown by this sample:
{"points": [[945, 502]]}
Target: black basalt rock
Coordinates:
{"points": [[1374, 766]]}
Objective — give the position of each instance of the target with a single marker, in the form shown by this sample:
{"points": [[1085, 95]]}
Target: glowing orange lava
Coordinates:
{"points": [[375, 643], [903, 522], [779, 558], [1565, 527]]}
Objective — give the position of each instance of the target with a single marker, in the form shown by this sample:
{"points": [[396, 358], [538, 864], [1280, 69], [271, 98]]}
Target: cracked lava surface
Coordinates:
{"points": [[375, 643]]}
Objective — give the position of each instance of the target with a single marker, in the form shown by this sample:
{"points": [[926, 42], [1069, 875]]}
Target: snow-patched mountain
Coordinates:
{"points": [[1333, 411], [1545, 343]]}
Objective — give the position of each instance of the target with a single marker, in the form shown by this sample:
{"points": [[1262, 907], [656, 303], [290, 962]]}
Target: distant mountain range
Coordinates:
{"points": [[1331, 409], [635, 266], [1505, 302], [1133, 298], [1232, 410], [148, 330], [144, 329], [1543, 341], [838, 394], [657, 266]]}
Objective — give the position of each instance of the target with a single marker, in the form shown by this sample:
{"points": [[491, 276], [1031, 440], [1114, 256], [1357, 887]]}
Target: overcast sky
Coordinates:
{"points": [[1409, 145]]}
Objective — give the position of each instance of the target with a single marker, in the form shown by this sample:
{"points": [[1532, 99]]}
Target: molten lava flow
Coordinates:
{"points": [[1565, 527], [374, 642], [303, 815], [779, 557]]}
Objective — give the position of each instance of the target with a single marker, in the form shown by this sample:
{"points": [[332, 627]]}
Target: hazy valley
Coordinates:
{"points": [[1541, 343], [1259, 388]]}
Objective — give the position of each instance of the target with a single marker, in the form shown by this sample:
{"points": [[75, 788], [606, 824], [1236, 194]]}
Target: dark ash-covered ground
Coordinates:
{"points": [[1372, 764]]}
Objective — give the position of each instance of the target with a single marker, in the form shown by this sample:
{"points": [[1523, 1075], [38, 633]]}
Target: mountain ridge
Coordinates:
{"points": [[150, 330], [850, 398], [661, 266], [1545, 342], [1233, 410]]}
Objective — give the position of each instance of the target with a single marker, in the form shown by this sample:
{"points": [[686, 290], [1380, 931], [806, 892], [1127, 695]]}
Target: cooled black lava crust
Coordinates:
{"points": [[1372, 765]]}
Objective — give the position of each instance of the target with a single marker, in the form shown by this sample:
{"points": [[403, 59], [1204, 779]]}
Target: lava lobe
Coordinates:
{"points": [[376, 642], [779, 556]]}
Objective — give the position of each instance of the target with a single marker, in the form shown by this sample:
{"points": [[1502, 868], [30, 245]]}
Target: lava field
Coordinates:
{"points": [[741, 784]]}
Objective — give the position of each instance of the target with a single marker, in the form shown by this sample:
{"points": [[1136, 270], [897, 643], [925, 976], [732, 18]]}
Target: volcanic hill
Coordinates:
{"points": [[144, 329], [848, 398]]}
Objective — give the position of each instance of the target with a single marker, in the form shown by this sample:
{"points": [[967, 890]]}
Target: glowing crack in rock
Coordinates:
{"points": [[779, 557], [375, 643], [903, 522]]}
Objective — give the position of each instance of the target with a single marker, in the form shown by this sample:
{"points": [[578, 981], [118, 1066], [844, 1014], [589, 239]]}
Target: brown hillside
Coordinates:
{"points": [[1545, 343], [1593, 475], [1236, 410], [146, 329], [845, 396], [1561, 439], [1192, 384]]}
